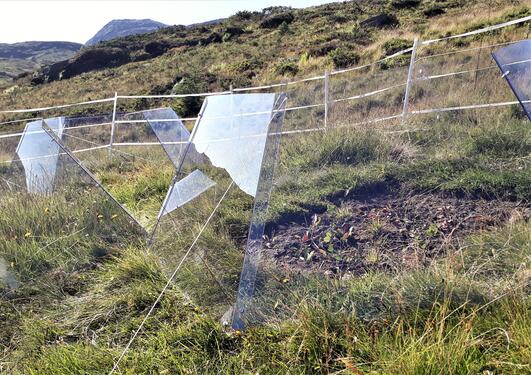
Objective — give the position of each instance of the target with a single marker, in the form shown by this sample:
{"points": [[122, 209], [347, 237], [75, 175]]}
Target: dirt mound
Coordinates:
{"points": [[386, 232]]}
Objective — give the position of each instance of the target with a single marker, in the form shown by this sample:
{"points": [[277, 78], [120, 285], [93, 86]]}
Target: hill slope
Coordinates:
{"points": [[251, 48], [37, 51]]}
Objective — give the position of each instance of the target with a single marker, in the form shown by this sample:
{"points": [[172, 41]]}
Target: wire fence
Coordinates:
{"points": [[332, 88]]}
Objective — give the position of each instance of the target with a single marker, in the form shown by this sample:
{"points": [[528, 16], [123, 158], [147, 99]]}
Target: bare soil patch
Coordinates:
{"points": [[387, 232]]}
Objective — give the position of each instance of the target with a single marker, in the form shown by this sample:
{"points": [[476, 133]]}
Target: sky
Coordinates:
{"points": [[78, 21]]}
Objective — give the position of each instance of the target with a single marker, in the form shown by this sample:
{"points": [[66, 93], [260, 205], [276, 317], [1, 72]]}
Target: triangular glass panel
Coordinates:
{"points": [[170, 131], [186, 189]]}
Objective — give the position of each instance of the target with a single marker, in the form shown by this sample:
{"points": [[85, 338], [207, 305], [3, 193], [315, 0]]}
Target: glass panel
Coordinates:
{"points": [[202, 231], [87, 132], [170, 132], [137, 169], [233, 133], [515, 64], [39, 155], [183, 191], [241, 313]]}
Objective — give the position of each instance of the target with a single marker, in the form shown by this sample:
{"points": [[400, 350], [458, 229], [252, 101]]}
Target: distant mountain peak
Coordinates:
{"points": [[124, 27]]}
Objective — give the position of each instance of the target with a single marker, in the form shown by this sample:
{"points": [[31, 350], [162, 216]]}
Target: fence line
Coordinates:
{"points": [[21, 120], [286, 132], [13, 135], [414, 112], [468, 50], [136, 144], [54, 155], [171, 96], [365, 95], [469, 71], [58, 106], [289, 83], [479, 31], [518, 62], [465, 107], [427, 78], [399, 53]]}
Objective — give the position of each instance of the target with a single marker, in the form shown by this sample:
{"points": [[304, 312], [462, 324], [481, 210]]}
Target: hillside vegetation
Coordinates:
{"points": [[400, 247], [253, 48]]}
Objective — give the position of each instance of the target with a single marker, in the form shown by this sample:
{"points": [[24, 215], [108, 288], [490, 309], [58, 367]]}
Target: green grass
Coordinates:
{"points": [[450, 317], [436, 320], [82, 296], [41, 235], [141, 190], [468, 177]]}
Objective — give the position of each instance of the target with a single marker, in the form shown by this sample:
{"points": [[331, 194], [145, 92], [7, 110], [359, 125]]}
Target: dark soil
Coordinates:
{"points": [[387, 232]]}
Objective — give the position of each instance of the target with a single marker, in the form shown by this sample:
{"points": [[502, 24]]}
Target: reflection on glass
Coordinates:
{"points": [[515, 63], [185, 190], [87, 131], [232, 132], [39, 155]]}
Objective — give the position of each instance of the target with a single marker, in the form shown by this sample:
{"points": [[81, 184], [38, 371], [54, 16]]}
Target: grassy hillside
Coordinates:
{"points": [[253, 48], [394, 248]]}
